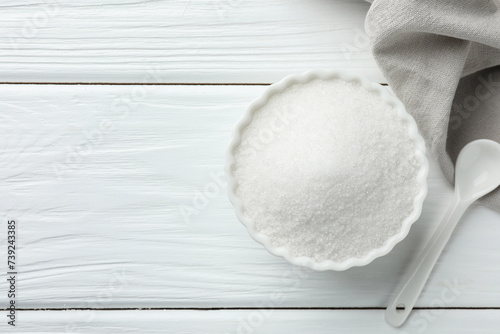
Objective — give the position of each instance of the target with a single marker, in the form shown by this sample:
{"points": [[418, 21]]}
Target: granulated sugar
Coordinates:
{"points": [[327, 170]]}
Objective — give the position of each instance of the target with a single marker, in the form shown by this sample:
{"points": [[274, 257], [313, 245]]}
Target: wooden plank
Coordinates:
{"points": [[99, 178], [224, 41], [254, 321]]}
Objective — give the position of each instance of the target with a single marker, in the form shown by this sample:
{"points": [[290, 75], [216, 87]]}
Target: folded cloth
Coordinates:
{"points": [[441, 58]]}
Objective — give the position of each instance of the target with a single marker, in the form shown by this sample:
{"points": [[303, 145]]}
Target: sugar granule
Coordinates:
{"points": [[327, 170]]}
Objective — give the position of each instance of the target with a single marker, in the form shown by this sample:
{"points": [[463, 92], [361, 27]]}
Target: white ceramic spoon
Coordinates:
{"points": [[477, 173]]}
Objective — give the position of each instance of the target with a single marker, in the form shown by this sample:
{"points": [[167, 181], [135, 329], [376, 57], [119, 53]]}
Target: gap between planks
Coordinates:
{"points": [[246, 308], [142, 84]]}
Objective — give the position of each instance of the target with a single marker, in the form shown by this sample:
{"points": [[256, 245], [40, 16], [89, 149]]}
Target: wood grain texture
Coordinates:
{"points": [[257, 321], [119, 196], [190, 41]]}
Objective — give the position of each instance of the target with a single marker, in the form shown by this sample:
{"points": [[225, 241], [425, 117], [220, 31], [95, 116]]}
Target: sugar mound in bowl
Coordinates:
{"points": [[327, 170]]}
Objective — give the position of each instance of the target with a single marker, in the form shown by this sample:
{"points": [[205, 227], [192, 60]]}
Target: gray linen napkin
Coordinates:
{"points": [[441, 58]]}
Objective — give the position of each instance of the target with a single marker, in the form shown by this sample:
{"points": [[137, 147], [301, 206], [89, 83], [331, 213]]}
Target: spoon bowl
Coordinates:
{"points": [[478, 169]]}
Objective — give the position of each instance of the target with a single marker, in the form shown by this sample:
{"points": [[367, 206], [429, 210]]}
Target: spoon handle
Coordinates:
{"points": [[407, 293]]}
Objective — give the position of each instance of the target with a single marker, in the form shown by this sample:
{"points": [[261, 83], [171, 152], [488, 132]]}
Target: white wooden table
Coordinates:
{"points": [[114, 120]]}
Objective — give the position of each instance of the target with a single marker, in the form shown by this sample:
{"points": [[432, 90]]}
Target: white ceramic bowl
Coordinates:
{"points": [[412, 131]]}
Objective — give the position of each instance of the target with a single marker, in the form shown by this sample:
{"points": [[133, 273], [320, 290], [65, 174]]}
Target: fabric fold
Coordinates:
{"points": [[441, 58]]}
